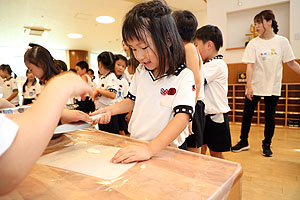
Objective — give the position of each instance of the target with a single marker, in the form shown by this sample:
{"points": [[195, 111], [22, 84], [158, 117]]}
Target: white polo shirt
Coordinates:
{"points": [[201, 95], [8, 132], [9, 85], [216, 86], [110, 83], [32, 91], [123, 87], [267, 56], [157, 101]]}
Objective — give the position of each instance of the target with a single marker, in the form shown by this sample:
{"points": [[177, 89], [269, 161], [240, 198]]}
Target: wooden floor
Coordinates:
{"points": [[276, 177]]}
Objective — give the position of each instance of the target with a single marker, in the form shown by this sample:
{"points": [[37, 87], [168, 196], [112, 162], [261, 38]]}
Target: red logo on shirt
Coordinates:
{"points": [[170, 91]]}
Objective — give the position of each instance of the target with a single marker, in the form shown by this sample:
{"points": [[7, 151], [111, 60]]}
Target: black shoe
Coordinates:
{"points": [[240, 146], [267, 150]]}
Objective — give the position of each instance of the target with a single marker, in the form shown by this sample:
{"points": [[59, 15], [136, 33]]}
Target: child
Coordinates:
{"points": [[264, 56], [31, 89], [123, 85], [162, 92], [10, 87], [41, 63], [187, 25], [86, 105], [23, 140], [92, 75], [216, 135], [106, 92], [62, 65]]}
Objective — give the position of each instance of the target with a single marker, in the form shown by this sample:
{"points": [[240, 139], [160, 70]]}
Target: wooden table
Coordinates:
{"points": [[171, 174]]}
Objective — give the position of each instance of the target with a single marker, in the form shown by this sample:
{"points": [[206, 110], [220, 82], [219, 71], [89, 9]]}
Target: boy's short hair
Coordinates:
{"points": [[186, 24], [210, 33], [83, 65]]}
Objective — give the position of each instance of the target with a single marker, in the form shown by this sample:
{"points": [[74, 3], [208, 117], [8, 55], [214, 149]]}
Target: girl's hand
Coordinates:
{"points": [[96, 93], [249, 93], [132, 154], [191, 128], [127, 117], [69, 116], [104, 119]]}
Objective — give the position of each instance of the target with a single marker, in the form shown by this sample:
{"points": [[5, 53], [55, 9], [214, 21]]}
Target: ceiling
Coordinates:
{"points": [[68, 16]]}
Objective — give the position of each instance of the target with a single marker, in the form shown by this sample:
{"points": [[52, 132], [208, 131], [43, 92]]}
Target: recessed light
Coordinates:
{"points": [[74, 35], [105, 19]]}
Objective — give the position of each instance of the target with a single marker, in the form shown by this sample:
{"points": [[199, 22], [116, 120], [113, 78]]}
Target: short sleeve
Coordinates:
{"points": [[133, 85], [287, 52], [184, 101], [8, 132], [112, 84], [14, 85], [211, 72], [250, 53]]}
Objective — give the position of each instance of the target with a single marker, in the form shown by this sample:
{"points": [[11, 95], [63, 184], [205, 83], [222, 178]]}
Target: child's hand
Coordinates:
{"points": [[127, 117], [105, 117], [191, 128], [69, 116], [96, 94], [132, 154]]}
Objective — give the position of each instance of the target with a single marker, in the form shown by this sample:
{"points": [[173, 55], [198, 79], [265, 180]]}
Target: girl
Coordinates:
{"points": [[264, 56], [86, 105], [41, 63], [123, 85], [31, 89], [105, 93], [10, 87], [162, 92]]}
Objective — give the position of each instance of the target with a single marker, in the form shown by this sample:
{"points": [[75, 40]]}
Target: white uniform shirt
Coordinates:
{"points": [[216, 87], [267, 56], [32, 91], [9, 85], [201, 92], [128, 76], [8, 132], [110, 83], [157, 101], [123, 87]]}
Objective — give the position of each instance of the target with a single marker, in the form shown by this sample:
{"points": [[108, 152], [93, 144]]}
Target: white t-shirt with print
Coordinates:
{"points": [[158, 100], [110, 83], [8, 87], [267, 56], [123, 87], [216, 75], [8, 132], [32, 91]]}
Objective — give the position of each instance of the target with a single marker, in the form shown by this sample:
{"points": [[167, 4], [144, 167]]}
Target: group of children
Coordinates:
{"points": [[173, 99]]}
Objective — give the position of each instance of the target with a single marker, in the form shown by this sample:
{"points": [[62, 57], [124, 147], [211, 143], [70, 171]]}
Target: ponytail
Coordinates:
{"points": [[7, 68]]}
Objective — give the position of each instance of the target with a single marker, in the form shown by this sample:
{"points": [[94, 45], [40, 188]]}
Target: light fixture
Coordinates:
{"points": [[74, 35], [105, 19], [36, 31]]}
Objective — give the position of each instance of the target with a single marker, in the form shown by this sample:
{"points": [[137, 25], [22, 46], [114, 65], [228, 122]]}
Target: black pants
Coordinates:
{"points": [[270, 108]]}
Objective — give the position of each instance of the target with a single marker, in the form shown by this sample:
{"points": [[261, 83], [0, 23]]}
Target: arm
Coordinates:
{"points": [[168, 134], [5, 104], [104, 93], [13, 95], [36, 127], [294, 66], [192, 62], [249, 74]]}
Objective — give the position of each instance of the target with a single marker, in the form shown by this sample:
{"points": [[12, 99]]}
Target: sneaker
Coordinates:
{"points": [[240, 146], [267, 150]]}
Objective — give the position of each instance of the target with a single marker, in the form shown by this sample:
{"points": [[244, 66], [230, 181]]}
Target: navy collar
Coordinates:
{"points": [[176, 73], [216, 57]]}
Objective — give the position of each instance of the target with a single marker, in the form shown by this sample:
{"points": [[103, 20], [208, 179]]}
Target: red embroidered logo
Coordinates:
{"points": [[170, 91]]}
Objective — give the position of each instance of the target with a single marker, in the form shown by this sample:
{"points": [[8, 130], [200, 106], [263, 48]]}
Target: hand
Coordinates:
{"points": [[249, 93], [96, 93], [127, 117], [104, 119], [69, 116], [191, 128], [132, 154]]}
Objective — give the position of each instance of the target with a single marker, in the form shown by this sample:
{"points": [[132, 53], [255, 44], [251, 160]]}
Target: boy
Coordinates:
{"points": [[208, 40]]}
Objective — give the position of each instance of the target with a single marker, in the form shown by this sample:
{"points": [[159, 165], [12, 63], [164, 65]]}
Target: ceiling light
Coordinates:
{"points": [[36, 31], [74, 35], [105, 19]]}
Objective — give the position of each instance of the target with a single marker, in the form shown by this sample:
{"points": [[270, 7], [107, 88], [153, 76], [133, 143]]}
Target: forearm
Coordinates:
{"points": [[294, 66], [13, 95], [106, 93], [124, 106], [169, 133], [5, 104], [249, 74]]}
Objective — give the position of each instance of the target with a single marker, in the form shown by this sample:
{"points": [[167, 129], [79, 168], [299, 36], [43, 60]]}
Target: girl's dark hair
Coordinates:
{"points": [[186, 24], [7, 68], [267, 15], [92, 71], [83, 65], [155, 17], [26, 82], [210, 33], [62, 65], [121, 57], [107, 59], [42, 58]]}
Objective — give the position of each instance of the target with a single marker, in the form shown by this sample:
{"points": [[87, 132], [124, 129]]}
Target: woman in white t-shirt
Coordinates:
{"points": [[264, 56]]}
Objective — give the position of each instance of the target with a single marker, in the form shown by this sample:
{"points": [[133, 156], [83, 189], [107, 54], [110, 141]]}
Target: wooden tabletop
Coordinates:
{"points": [[171, 174]]}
